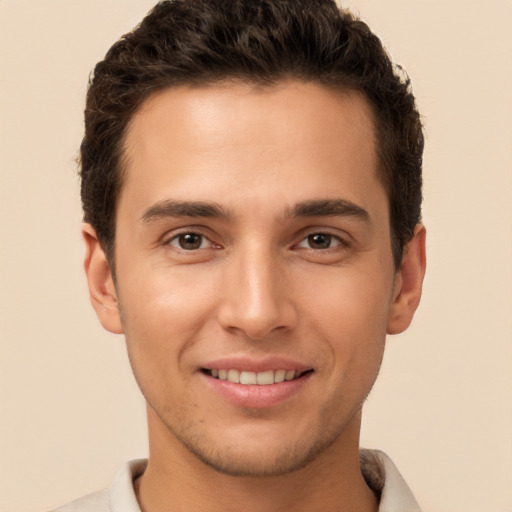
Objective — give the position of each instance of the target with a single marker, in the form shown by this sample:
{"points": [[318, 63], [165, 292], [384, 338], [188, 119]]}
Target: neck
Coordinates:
{"points": [[175, 480]]}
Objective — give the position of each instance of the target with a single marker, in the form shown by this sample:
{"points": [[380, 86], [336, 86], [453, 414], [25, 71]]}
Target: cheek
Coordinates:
{"points": [[163, 315], [349, 301], [349, 311], [163, 312]]}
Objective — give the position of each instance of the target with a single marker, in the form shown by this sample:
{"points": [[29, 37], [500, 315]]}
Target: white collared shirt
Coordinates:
{"points": [[378, 469]]}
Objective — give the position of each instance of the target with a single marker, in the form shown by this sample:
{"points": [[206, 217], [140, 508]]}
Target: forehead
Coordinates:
{"points": [[196, 140], [240, 107]]}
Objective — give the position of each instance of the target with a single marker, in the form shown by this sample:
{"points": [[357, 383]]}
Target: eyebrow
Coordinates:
{"points": [[314, 208], [327, 208], [172, 208]]}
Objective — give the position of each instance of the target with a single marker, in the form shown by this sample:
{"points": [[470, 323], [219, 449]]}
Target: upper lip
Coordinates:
{"points": [[256, 365]]}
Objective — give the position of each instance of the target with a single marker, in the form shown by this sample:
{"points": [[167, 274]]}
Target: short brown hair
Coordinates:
{"points": [[200, 42]]}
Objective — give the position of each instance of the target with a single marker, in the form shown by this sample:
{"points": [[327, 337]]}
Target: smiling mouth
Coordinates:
{"points": [[265, 378]]}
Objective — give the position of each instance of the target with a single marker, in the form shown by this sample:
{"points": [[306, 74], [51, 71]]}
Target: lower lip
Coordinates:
{"points": [[254, 396]]}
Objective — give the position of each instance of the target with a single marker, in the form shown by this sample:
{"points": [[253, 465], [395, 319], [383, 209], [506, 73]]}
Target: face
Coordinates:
{"points": [[254, 272]]}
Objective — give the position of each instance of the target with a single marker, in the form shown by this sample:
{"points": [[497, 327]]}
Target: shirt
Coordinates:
{"points": [[378, 470]]}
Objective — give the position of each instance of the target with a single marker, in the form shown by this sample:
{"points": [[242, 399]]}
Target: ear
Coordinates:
{"points": [[408, 283], [102, 291]]}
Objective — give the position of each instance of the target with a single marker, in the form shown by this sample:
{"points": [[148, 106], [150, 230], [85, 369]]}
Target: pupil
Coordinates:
{"points": [[320, 241], [190, 241]]}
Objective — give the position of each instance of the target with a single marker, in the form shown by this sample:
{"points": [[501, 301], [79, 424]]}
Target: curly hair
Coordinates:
{"points": [[200, 42]]}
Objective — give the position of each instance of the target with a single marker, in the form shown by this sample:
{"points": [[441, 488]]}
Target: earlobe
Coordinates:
{"points": [[408, 283], [102, 291]]}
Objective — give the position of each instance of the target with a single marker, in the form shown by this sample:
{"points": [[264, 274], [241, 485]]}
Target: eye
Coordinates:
{"points": [[189, 241], [319, 241]]}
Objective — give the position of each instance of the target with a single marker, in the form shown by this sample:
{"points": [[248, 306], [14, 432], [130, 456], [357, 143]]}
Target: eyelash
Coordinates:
{"points": [[176, 238], [339, 242]]}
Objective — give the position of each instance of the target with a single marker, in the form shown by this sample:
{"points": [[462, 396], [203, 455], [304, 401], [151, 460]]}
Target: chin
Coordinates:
{"points": [[239, 463], [253, 459]]}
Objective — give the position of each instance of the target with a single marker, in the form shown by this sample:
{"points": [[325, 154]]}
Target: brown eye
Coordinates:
{"points": [[319, 241], [189, 241]]}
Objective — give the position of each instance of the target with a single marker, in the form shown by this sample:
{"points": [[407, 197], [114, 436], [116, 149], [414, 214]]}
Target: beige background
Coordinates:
{"points": [[70, 412]]}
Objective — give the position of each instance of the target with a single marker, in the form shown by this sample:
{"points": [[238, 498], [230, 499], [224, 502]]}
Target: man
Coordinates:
{"points": [[251, 184]]}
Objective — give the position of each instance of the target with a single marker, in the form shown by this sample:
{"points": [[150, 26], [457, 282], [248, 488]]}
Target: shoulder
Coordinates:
{"points": [[95, 502], [387, 483], [119, 497]]}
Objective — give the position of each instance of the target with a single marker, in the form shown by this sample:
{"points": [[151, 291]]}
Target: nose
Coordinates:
{"points": [[257, 298]]}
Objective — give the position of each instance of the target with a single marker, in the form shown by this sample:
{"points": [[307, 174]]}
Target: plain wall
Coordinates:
{"points": [[70, 412]]}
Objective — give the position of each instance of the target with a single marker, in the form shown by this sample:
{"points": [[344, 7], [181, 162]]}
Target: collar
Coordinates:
{"points": [[380, 473]]}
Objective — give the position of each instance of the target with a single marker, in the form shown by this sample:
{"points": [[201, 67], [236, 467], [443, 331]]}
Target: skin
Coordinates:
{"points": [[257, 284]]}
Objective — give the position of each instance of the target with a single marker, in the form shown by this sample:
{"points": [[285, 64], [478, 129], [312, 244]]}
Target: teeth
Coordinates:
{"points": [[265, 378], [279, 376], [234, 376], [261, 378], [290, 375], [248, 378]]}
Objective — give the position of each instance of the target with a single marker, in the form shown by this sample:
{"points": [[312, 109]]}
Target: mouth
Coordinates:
{"points": [[265, 378]]}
